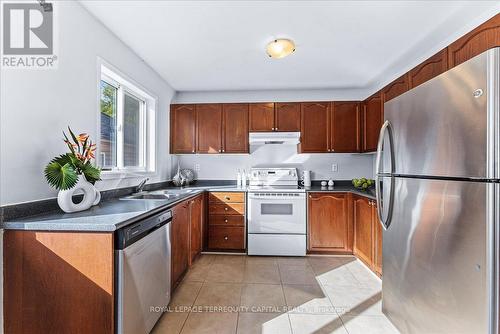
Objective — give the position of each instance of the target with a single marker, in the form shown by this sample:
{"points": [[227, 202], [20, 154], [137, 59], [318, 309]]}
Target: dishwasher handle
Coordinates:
{"points": [[129, 234]]}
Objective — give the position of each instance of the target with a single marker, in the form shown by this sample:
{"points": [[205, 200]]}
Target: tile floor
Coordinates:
{"points": [[273, 295]]}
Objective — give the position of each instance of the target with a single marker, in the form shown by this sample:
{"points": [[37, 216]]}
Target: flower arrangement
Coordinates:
{"points": [[62, 172]]}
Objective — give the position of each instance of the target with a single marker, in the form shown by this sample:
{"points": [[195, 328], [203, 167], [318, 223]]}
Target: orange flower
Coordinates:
{"points": [[82, 137]]}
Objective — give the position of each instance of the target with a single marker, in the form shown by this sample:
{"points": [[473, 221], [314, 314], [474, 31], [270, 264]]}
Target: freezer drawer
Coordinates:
{"points": [[435, 256]]}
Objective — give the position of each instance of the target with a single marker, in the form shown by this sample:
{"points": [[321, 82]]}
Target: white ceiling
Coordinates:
{"points": [[220, 45]]}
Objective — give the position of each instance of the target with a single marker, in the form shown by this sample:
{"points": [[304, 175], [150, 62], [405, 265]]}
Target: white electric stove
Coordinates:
{"points": [[276, 213]]}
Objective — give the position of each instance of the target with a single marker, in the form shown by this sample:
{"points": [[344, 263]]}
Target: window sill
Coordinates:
{"points": [[113, 175]]}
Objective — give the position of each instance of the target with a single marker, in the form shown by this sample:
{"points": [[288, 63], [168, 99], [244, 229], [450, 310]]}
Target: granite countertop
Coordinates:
{"points": [[109, 215], [113, 214], [343, 188]]}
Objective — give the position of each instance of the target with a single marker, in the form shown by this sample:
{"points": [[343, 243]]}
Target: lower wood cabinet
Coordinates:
{"points": [[58, 282], [329, 226], [186, 235], [367, 233], [226, 221]]}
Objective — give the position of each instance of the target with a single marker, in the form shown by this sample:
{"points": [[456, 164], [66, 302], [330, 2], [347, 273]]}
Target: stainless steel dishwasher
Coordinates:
{"points": [[143, 255]]}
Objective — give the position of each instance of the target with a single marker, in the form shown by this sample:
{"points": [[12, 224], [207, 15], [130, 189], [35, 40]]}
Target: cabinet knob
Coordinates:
{"points": [[276, 129], [193, 151], [225, 209], [272, 129], [225, 220], [227, 198], [223, 150], [226, 238]]}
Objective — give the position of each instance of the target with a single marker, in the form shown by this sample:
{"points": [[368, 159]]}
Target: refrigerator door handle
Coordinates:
{"points": [[386, 127]]}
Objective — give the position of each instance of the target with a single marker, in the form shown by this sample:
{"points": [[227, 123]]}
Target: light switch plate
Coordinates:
{"points": [[197, 167], [335, 167]]}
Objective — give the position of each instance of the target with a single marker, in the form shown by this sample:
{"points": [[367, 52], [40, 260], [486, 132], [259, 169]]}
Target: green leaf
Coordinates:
{"points": [[92, 174], [74, 138], [61, 177]]}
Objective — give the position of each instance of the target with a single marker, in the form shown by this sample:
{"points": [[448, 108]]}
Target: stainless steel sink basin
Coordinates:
{"points": [[159, 197]]}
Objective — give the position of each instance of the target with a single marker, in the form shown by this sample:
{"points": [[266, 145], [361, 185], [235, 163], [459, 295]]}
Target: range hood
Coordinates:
{"points": [[281, 138]]}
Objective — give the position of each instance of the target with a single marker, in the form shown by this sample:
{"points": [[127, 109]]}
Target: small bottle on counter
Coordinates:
{"points": [[238, 179], [244, 179]]}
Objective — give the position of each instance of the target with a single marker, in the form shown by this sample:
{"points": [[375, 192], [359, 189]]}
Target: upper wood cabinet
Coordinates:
{"points": [[363, 243], [261, 117], [287, 117], [371, 122], [429, 69], [182, 128], [328, 222], [280, 116], [208, 128], [484, 37], [395, 88], [345, 127], [235, 128], [315, 136]]}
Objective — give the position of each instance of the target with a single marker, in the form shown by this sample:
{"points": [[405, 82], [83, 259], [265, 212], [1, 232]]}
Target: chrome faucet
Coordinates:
{"points": [[141, 185]]}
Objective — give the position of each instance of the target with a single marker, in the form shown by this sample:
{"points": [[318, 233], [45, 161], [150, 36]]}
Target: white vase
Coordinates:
{"points": [[65, 197]]}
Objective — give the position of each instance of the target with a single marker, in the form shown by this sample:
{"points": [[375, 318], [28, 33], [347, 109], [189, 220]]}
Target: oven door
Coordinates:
{"points": [[277, 213]]}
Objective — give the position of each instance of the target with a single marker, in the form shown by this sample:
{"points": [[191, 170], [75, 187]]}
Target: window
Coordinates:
{"points": [[127, 115]]}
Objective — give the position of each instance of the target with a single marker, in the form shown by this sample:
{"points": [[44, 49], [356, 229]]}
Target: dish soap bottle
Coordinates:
{"points": [[238, 179]]}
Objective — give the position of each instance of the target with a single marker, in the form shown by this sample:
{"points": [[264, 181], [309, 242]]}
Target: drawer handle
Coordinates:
{"points": [[225, 220], [226, 237], [228, 198]]}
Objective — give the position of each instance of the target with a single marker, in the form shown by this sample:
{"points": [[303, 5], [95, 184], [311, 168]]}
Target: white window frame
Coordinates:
{"points": [[148, 102]]}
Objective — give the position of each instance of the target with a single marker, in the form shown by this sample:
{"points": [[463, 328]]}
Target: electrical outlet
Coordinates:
{"points": [[197, 167], [335, 168]]}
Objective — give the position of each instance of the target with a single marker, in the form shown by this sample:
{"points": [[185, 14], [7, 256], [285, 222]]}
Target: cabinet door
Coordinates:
{"points": [[395, 88], [180, 241], [261, 117], [484, 37], [314, 127], [195, 215], [287, 117], [429, 69], [377, 241], [182, 128], [345, 127], [327, 222], [363, 247], [372, 121], [209, 128], [235, 123]]}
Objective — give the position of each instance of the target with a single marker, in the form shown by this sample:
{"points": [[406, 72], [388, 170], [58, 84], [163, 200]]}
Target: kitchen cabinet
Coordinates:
{"points": [[363, 229], [180, 241], [345, 127], [274, 117], [235, 128], [377, 241], [429, 69], [395, 88], [182, 128], [371, 122], [226, 221], [196, 227], [315, 136], [482, 38], [287, 117], [329, 227], [209, 128], [58, 282], [261, 117]]}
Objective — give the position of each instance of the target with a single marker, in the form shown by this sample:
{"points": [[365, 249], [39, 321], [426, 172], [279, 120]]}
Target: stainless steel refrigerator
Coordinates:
{"points": [[438, 190]]}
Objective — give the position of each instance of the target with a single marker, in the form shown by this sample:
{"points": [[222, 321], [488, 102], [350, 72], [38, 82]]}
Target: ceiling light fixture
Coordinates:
{"points": [[280, 48]]}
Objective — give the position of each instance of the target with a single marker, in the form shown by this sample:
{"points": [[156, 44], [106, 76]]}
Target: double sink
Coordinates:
{"points": [[158, 195]]}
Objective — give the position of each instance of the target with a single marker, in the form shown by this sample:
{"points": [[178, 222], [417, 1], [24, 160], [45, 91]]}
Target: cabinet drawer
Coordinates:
{"points": [[227, 197], [226, 220], [226, 237], [227, 209]]}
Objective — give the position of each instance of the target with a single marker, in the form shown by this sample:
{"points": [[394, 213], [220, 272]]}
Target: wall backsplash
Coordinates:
{"points": [[225, 166]]}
